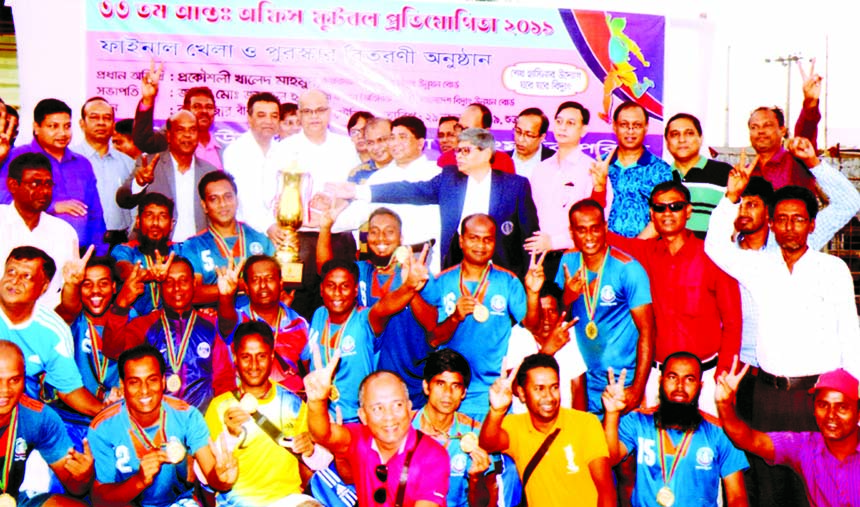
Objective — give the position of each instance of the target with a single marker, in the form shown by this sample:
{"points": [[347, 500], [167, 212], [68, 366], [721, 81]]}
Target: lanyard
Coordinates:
{"points": [[154, 291], [591, 298], [176, 356], [679, 453], [325, 340], [99, 361], [483, 283], [11, 432], [221, 243], [141, 441]]}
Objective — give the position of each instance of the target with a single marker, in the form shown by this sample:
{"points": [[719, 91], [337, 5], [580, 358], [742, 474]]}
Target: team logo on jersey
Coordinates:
{"points": [[607, 294], [498, 303], [348, 344], [256, 248], [458, 464], [20, 449], [704, 458], [203, 350], [507, 227]]}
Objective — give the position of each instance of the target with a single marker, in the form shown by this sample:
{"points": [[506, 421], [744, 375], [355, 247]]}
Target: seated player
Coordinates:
{"points": [[141, 444], [568, 443], [342, 325], [87, 297], [400, 348], [151, 248], [226, 240], [701, 456], [265, 424], [199, 359], [262, 278], [446, 379], [31, 426], [477, 304], [380, 450]]}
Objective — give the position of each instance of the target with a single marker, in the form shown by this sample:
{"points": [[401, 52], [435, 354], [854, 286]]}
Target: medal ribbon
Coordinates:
{"points": [[680, 452], [483, 283], [99, 362], [176, 356], [591, 299], [221, 243], [277, 327], [154, 292], [324, 340], [11, 432], [142, 442], [378, 291]]}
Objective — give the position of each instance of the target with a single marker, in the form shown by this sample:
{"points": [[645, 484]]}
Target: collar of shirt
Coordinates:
{"points": [[661, 246], [777, 159], [477, 199], [700, 164], [191, 169], [68, 155], [399, 451], [645, 159], [535, 155]]}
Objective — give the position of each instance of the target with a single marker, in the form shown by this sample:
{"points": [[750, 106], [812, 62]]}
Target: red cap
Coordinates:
{"points": [[839, 380]]}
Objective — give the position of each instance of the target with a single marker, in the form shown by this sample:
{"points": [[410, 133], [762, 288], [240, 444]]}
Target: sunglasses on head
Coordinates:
{"points": [[381, 494], [676, 206]]}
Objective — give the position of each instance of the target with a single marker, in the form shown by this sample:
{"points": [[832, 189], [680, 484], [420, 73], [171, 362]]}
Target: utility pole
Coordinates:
{"points": [[786, 61]]}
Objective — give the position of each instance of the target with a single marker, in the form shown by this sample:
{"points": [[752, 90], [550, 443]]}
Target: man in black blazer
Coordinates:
{"points": [[529, 134], [469, 187], [166, 174]]}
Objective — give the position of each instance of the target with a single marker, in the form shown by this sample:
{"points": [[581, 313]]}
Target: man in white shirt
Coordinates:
{"points": [[248, 159], [807, 322], [529, 135], [327, 157], [25, 221], [110, 166], [420, 222], [173, 173]]}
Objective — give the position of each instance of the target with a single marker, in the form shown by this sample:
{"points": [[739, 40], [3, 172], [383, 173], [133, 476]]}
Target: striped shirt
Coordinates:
{"points": [[707, 182], [828, 480]]}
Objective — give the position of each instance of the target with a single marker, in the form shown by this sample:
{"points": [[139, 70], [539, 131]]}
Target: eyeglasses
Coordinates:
{"points": [[355, 132], [631, 126], [783, 220], [465, 150], [314, 112], [674, 207], [381, 494], [518, 132]]}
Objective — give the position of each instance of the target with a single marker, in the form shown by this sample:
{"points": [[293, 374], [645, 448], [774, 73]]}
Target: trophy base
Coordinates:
{"points": [[291, 273]]}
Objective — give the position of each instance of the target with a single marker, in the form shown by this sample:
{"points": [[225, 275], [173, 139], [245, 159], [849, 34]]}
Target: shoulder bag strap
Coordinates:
{"points": [[404, 474]]}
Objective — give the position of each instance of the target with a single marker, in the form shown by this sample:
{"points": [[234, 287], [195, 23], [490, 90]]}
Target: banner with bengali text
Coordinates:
{"points": [[392, 59]]}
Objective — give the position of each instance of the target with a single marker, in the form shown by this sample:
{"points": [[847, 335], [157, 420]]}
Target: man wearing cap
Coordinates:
{"points": [[828, 460]]}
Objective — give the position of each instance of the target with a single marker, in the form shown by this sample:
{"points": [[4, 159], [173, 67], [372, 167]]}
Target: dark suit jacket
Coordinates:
{"points": [[164, 183], [511, 205], [154, 141], [545, 153]]}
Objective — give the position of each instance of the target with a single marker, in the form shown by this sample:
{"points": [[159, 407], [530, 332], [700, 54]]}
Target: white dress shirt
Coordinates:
{"points": [[420, 223], [477, 198], [329, 162], [55, 236], [185, 190], [525, 166], [256, 180], [807, 322], [111, 172]]}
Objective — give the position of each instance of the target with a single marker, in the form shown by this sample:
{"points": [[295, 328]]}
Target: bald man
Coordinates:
{"points": [[328, 158], [175, 174], [36, 427]]}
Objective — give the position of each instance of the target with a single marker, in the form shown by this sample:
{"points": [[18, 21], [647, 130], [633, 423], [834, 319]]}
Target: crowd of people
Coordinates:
{"points": [[535, 327]]}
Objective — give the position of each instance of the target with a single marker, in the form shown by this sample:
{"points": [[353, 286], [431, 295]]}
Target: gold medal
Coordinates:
{"points": [[402, 253], [468, 442], [174, 383], [591, 330], [334, 394], [665, 497], [7, 500], [248, 403], [175, 452], [480, 313]]}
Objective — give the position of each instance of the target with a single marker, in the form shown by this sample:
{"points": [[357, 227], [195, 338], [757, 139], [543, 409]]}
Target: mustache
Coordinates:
{"points": [[672, 414]]}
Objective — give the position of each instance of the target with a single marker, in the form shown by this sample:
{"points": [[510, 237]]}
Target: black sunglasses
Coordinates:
{"points": [[381, 494], [673, 206]]}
